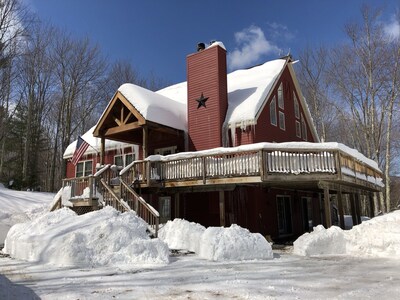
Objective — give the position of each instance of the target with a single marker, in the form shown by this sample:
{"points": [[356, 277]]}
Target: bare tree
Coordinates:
{"points": [[315, 87], [364, 74], [35, 75], [79, 68], [14, 18]]}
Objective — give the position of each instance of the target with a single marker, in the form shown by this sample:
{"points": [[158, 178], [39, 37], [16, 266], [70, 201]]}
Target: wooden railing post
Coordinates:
{"points": [[262, 165], [338, 164], [203, 159]]}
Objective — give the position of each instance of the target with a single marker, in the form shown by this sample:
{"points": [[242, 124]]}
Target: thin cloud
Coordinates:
{"points": [[252, 45], [392, 29]]}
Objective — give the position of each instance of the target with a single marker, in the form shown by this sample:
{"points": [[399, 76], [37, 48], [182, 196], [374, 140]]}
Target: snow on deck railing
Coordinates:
{"points": [[257, 160]]}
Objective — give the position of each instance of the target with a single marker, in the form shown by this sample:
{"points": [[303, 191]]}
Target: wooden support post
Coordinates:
{"points": [[353, 209], [222, 208], [145, 141], [340, 207], [327, 207], [371, 205], [102, 150], [177, 206], [357, 200]]}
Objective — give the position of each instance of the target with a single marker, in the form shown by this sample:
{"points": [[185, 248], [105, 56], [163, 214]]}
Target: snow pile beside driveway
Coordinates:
{"points": [[181, 234], [100, 238], [378, 237], [216, 243]]}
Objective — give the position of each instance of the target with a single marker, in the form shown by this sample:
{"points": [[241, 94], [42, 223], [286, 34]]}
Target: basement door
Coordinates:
{"points": [[284, 215]]}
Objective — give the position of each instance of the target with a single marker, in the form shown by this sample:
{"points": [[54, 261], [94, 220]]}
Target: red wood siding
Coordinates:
{"points": [[264, 131], [206, 74]]}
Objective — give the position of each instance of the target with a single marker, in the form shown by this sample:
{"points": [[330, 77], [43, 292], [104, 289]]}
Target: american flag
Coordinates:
{"points": [[80, 149]]}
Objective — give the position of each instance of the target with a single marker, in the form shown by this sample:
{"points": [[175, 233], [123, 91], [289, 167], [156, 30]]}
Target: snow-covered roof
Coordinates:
{"points": [[247, 91], [156, 107], [95, 144]]}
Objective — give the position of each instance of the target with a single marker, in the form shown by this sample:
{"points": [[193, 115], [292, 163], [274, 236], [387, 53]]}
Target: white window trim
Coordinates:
{"points": [[298, 129], [272, 106], [281, 98], [282, 117], [124, 158], [84, 167]]}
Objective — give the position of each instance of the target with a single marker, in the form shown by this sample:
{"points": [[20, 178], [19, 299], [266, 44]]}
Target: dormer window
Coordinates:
{"points": [[281, 102]]}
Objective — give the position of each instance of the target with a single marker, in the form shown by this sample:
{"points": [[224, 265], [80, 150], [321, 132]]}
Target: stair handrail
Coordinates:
{"points": [[147, 205], [153, 219], [120, 201]]}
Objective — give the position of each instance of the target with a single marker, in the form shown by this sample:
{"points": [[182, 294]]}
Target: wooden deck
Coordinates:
{"points": [[304, 169], [294, 167]]}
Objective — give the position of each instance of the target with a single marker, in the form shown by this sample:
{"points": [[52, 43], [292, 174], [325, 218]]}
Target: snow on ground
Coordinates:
{"points": [[20, 206], [189, 276], [378, 237]]}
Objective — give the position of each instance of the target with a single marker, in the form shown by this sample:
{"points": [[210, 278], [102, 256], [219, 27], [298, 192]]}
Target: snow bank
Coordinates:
{"points": [[216, 243], [321, 242], [233, 243], [103, 237], [378, 237], [182, 234]]}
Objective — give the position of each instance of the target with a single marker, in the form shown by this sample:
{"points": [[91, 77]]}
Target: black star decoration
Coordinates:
{"points": [[202, 101]]}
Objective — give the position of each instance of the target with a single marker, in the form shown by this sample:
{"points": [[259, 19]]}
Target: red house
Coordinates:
{"points": [[221, 149]]}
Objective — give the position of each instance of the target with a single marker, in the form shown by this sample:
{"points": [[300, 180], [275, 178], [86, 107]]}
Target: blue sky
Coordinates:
{"points": [[157, 35]]}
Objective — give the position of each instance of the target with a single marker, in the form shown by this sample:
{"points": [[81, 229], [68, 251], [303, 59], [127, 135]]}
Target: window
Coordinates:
{"points": [[296, 106], [124, 159], [281, 101], [164, 208], [83, 168], [284, 214], [281, 120], [298, 129], [272, 111], [166, 150], [303, 128]]}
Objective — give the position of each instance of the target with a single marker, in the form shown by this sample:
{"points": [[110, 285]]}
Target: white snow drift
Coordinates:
{"points": [[104, 237], [216, 243], [378, 237]]}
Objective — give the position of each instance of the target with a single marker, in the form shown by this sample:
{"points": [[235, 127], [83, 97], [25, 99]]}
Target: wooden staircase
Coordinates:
{"points": [[107, 187]]}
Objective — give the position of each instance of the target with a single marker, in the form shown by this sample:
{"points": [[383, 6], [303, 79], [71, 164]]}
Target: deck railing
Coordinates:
{"points": [[262, 163]]}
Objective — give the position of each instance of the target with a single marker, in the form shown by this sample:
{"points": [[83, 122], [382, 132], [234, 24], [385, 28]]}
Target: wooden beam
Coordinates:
{"points": [[102, 150], [357, 199], [340, 208], [371, 205], [221, 208], [177, 196], [123, 128], [127, 117], [353, 210], [145, 141], [327, 208]]}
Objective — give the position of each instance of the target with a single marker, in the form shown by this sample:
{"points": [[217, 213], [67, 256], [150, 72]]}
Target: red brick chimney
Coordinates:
{"points": [[207, 96]]}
